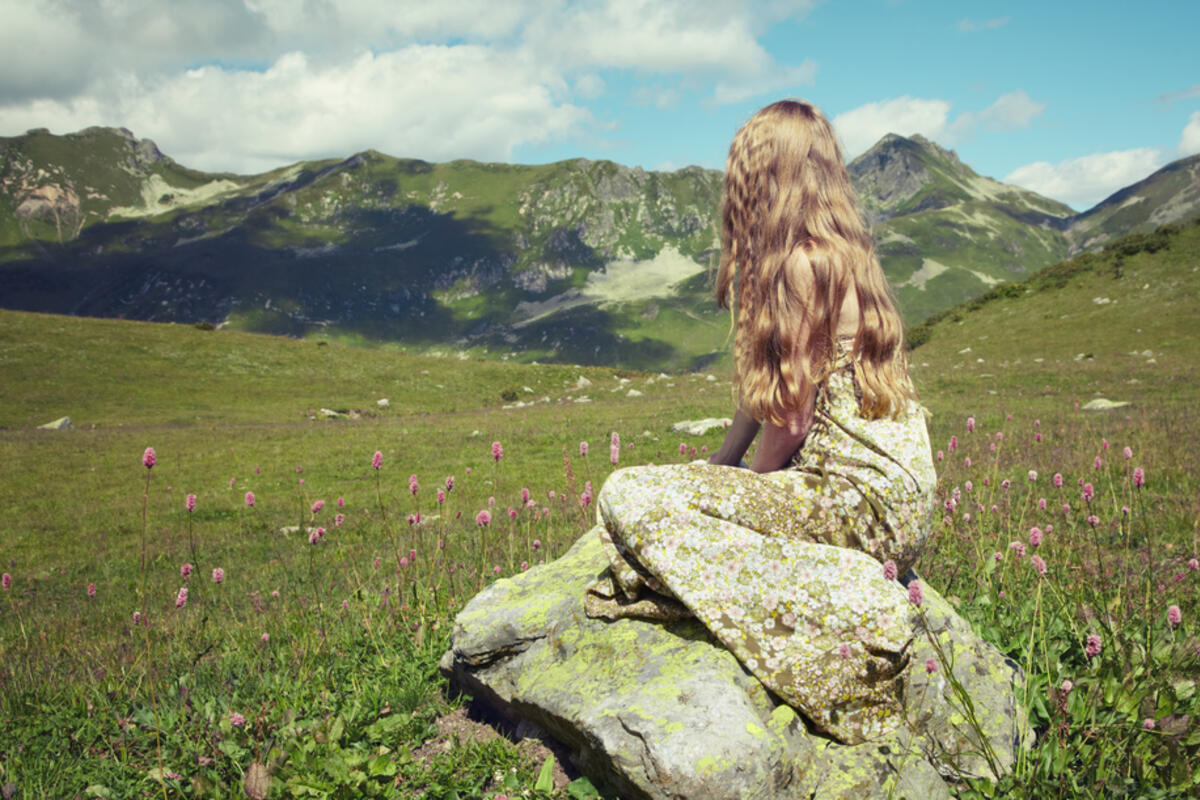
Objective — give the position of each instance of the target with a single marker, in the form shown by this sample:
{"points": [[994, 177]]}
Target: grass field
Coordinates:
{"points": [[309, 668]]}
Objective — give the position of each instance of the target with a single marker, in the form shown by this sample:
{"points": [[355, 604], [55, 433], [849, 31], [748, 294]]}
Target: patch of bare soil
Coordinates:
{"points": [[470, 724]]}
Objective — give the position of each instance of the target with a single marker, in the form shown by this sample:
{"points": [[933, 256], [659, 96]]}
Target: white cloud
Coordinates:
{"points": [[862, 127], [427, 101], [967, 25], [248, 84], [1189, 141], [1083, 182], [1010, 112]]}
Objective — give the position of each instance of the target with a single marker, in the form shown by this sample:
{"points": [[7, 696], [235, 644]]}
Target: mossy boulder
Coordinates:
{"points": [[663, 711]]}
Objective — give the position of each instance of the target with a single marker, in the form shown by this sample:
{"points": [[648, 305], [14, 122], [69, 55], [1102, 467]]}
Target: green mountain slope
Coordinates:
{"points": [[578, 261], [1169, 195], [1133, 307]]}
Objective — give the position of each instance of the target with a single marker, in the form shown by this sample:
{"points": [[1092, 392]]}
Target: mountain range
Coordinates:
{"points": [[578, 261]]}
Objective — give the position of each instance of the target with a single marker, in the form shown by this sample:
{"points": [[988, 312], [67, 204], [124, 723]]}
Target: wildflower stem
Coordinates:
{"points": [[146, 631]]}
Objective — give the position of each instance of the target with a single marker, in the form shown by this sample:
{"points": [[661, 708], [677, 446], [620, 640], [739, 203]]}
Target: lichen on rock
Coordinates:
{"points": [[664, 711]]}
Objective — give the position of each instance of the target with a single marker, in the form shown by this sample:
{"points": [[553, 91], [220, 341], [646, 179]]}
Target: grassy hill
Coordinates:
{"points": [[342, 695]]}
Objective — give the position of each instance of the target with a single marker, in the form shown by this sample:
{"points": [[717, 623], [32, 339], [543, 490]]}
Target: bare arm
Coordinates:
{"points": [[779, 444], [738, 437]]}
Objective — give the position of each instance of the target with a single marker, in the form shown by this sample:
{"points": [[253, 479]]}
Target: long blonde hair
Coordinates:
{"points": [[793, 244]]}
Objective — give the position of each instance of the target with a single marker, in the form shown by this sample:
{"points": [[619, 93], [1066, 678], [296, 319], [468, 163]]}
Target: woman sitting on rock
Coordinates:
{"points": [[792, 563]]}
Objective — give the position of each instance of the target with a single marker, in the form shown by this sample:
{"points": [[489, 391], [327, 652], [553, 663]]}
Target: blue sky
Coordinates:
{"points": [[1072, 100]]}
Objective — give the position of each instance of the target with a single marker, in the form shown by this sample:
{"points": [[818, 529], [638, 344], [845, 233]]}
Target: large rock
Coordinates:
{"points": [[60, 424], [663, 711]]}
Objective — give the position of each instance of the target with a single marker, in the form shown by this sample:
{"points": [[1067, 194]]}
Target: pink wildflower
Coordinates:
{"points": [[237, 720], [1035, 536], [1089, 492], [299, 469], [967, 462], [483, 518], [1067, 686], [1038, 564], [682, 449], [137, 618], [91, 590], [941, 456], [1041, 504], [232, 482], [1127, 452], [412, 556], [550, 494], [512, 513], [181, 597], [496, 570], [1104, 444], [1018, 548], [191, 502], [1032, 475], [413, 519], [999, 436], [6, 580], [468, 469], [404, 561], [497, 451], [1139, 477], [449, 483], [889, 570], [313, 537], [341, 502], [1037, 437], [537, 543], [583, 448], [931, 665], [317, 506], [250, 499], [377, 460], [1005, 484], [441, 496], [266, 637], [1174, 615], [1093, 520], [524, 496], [1096, 462], [953, 444], [1148, 724], [338, 520], [915, 595], [524, 566], [970, 424], [185, 571], [998, 556], [148, 458], [1193, 565], [491, 502], [1092, 646], [1058, 480], [844, 650], [585, 499], [969, 486], [218, 574]]}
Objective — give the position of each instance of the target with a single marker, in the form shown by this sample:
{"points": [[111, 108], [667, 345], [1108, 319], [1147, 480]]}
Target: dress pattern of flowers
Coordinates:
{"points": [[784, 568]]}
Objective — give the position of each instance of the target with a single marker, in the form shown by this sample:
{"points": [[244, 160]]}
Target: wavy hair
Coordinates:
{"points": [[793, 244]]}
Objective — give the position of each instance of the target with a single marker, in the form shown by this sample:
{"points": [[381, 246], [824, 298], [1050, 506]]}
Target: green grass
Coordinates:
{"points": [[343, 695]]}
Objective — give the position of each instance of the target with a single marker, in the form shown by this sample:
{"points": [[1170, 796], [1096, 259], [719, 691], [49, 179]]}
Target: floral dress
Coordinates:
{"points": [[784, 568]]}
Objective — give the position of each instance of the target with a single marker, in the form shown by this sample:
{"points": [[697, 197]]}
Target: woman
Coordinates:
{"points": [[785, 563]]}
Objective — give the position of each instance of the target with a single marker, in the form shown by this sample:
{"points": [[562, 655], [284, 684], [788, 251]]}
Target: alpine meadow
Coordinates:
{"points": [[234, 572]]}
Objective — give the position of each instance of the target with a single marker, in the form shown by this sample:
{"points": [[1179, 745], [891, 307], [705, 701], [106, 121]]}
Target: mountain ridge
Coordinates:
{"points": [[579, 260]]}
